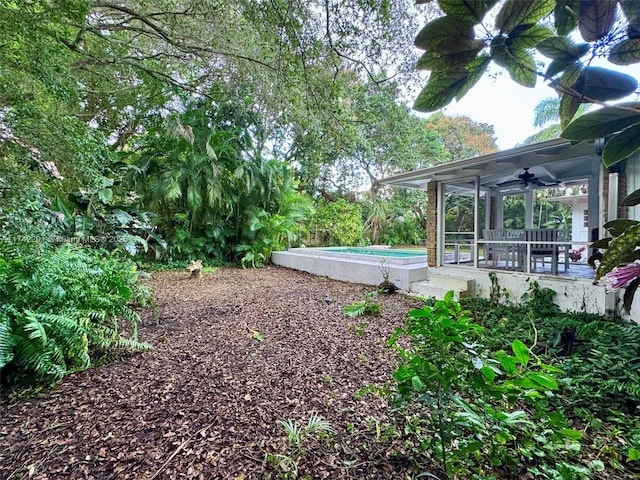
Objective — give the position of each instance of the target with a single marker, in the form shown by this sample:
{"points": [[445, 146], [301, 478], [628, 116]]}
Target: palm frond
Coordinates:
{"points": [[7, 343]]}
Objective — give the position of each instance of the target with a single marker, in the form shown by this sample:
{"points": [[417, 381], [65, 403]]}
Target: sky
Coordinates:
{"points": [[504, 104], [509, 107]]}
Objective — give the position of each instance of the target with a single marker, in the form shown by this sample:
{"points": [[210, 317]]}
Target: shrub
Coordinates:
{"points": [[475, 410], [60, 309], [337, 223]]}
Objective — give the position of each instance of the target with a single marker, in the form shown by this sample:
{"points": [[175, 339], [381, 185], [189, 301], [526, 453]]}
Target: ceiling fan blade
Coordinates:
{"points": [[508, 182], [540, 183]]}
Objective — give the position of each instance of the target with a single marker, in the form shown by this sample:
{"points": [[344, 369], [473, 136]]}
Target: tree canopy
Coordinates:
{"points": [[141, 120]]}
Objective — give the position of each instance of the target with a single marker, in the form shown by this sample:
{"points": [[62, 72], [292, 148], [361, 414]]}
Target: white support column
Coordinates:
{"points": [[528, 208], [476, 223]]}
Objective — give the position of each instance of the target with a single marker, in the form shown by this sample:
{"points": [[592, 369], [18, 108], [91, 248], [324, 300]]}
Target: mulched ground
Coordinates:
{"points": [[205, 403]]}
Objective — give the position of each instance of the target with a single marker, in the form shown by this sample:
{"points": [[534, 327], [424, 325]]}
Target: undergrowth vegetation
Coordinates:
{"points": [[63, 310], [368, 306], [494, 389]]}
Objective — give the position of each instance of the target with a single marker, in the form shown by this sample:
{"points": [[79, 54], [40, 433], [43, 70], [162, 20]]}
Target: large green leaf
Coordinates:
{"points": [[619, 248], [544, 380], [557, 66], [60, 206], [84, 224], [507, 361], [521, 352], [442, 30], [602, 84], [603, 122], [618, 226], [211, 153], [631, 10], [517, 12], [476, 69], [105, 195], [441, 89], [622, 145], [568, 107], [570, 77], [529, 36], [161, 241], [596, 17], [626, 52], [461, 45], [561, 48], [521, 68], [631, 200], [601, 243], [124, 218], [194, 198], [455, 53], [564, 18], [468, 11], [170, 185], [569, 103], [430, 60]]}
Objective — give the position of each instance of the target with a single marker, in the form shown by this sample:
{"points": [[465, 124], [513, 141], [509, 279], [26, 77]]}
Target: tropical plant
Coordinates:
{"points": [[366, 307], [599, 355], [27, 222], [474, 410], [61, 310], [280, 230], [403, 230], [547, 116], [296, 433], [216, 196]]}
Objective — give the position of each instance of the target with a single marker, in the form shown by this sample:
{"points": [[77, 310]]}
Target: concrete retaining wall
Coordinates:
{"points": [[352, 268]]}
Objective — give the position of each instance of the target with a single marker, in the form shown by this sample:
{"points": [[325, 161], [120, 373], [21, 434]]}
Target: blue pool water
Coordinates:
{"points": [[378, 252]]}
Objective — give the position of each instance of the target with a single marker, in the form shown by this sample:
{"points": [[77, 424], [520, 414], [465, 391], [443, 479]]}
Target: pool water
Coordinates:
{"points": [[378, 252]]}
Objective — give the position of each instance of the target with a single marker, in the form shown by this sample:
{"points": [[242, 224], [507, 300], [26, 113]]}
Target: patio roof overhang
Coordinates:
{"points": [[556, 160]]}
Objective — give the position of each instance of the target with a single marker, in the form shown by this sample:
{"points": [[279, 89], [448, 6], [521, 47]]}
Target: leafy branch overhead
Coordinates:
{"points": [[460, 46], [556, 41]]}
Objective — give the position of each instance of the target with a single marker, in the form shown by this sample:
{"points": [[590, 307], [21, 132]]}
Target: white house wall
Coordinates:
{"points": [[579, 232]]}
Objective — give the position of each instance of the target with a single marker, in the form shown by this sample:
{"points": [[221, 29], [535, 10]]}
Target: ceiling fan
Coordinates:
{"points": [[525, 179]]}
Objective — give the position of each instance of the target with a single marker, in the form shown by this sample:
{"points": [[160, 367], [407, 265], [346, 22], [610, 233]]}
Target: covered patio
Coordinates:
{"points": [[493, 235]]}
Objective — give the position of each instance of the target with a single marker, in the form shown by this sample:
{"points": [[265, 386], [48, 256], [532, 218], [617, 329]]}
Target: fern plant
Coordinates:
{"points": [[606, 365], [365, 307], [60, 308]]}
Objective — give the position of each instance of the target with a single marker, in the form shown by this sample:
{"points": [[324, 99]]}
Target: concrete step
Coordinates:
{"points": [[438, 285]]}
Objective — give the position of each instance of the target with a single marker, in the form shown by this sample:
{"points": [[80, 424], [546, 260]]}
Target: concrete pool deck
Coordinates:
{"points": [[356, 268]]}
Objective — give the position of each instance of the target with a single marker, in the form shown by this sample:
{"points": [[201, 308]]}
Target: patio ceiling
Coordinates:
{"points": [[552, 161]]}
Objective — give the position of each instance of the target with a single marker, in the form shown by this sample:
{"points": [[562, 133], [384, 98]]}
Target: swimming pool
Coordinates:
{"points": [[357, 264], [378, 252]]}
